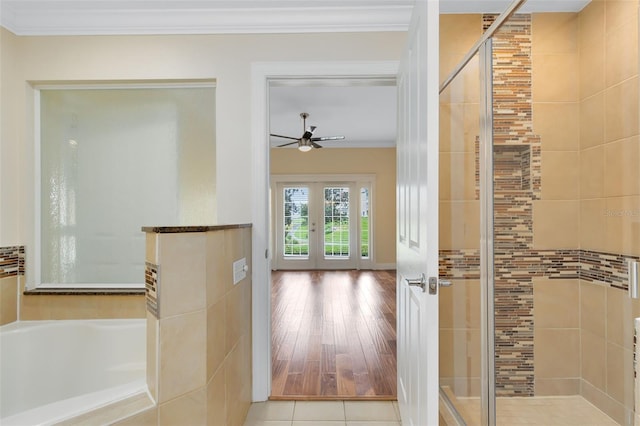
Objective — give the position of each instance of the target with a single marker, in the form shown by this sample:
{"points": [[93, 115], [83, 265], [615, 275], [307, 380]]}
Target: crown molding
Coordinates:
{"points": [[118, 17], [125, 21]]}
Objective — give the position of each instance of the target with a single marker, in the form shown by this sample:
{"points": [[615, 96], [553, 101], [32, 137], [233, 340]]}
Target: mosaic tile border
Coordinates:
{"points": [[588, 265], [12, 261], [152, 289]]}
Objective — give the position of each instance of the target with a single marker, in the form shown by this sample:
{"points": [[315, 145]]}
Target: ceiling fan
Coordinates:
{"points": [[307, 141]]}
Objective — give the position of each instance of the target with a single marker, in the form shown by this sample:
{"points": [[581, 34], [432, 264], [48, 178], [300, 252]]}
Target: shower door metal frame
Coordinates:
{"points": [[484, 48]]}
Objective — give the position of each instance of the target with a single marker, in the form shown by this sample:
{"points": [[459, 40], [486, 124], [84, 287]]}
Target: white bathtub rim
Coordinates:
{"points": [[56, 412], [99, 322]]}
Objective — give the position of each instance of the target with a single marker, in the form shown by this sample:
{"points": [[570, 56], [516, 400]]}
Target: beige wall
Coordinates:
{"points": [[225, 58], [555, 60], [10, 176], [379, 161], [609, 194], [609, 142]]}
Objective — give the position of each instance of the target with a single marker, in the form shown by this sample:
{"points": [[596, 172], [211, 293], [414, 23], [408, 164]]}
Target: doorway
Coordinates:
{"points": [[323, 224]]}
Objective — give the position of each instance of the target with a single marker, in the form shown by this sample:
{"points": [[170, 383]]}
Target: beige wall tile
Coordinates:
{"points": [[457, 176], [183, 364], [459, 127], [554, 33], [619, 13], [152, 355], [234, 250], [622, 216], [151, 253], [458, 32], [465, 88], [556, 353], [602, 401], [238, 314], [460, 352], [238, 382], [591, 24], [592, 69], [556, 303], [620, 374], [621, 110], [216, 400], [189, 409], [593, 353], [216, 346], [622, 167], [593, 308], [592, 121], [59, 307], [560, 175], [619, 318], [552, 387], [459, 224], [593, 231], [446, 351], [8, 300], [219, 272], [146, 418], [556, 224], [621, 53], [555, 77], [558, 125], [591, 42], [460, 305], [182, 260], [592, 172]]}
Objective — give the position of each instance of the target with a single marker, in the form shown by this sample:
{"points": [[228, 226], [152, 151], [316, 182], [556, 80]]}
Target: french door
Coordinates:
{"points": [[321, 225]]}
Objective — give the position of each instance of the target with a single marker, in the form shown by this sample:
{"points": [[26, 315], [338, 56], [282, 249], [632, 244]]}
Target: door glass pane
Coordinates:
{"points": [[336, 222], [296, 222], [459, 241], [364, 223]]}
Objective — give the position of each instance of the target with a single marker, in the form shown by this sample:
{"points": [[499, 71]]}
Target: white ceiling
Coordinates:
{"points": [[363, 112]]}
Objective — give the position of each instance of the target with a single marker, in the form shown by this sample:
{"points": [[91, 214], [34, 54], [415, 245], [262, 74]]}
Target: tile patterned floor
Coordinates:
{"points": [[539, 411], [323, 413]]}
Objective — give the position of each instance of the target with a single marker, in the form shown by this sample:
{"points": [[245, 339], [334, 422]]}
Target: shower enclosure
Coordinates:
{"points": [[539, 214]]}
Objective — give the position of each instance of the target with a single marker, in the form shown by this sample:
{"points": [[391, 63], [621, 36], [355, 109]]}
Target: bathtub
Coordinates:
{"points": [[55, 370]]}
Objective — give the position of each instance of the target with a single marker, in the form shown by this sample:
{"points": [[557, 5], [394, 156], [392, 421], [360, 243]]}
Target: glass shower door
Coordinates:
{"points": [[460, 304]]}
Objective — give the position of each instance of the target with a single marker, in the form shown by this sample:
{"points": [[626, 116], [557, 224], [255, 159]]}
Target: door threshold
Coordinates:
{"points": [[332, 398]]}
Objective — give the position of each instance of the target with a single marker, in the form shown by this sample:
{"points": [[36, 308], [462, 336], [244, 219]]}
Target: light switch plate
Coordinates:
{"points": [[239, 270]]}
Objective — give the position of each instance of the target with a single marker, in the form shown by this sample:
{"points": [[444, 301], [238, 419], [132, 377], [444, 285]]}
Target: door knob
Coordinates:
{"points": [[417, 282], [434, 283]]}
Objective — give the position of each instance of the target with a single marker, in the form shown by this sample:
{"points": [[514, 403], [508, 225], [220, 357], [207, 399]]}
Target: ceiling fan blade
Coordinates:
{"points": [[328, 138], [315, 145], [284, 137], [286, 144]]}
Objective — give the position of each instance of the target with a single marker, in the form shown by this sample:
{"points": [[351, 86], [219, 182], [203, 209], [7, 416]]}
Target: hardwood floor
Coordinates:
{"points": [[333, 335]]}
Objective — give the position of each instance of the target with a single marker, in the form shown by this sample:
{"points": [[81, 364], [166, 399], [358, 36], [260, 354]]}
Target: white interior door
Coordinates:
{"points": [[417, 197], [317, 225]]}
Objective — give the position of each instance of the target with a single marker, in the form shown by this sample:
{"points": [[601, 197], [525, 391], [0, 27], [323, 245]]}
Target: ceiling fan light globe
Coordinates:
{"points": [[304, 148]]}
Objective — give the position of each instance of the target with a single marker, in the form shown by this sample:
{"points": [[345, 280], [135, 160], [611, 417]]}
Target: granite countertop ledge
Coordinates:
{"points": [[192, 228], [85, 291]]}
